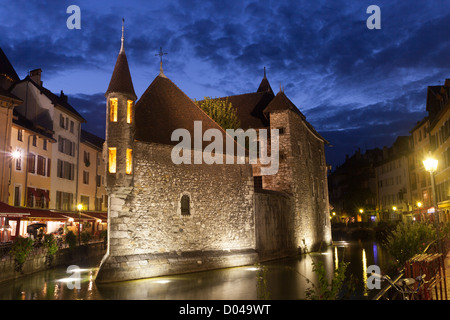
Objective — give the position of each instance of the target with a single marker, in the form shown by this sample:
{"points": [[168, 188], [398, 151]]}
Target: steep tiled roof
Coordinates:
{"points": [[249, 108], [121, 78], [6, 68], [264, 86], [164, 108], [281, 102]]}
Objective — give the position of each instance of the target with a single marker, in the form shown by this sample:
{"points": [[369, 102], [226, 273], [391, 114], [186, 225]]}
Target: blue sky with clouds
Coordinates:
{"points": [[360, 88]]}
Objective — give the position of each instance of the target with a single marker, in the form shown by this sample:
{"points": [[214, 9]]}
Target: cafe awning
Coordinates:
{"points": [[29, 213], [46, 214]]}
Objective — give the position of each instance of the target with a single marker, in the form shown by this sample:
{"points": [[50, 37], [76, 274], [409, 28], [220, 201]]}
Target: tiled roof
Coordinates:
{"points": [[164, 108], [264, 86], [6, 67], [8, 95], [121, 78], [249, 108], [91, 138], [56, 100], [20, 120], [281, 102]]}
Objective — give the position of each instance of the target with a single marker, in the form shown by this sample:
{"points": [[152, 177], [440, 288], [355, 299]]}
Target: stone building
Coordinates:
{"points": [[393, 186], [421, 193], [438, 107], [48, 164], [167, 218], [353, 186]]}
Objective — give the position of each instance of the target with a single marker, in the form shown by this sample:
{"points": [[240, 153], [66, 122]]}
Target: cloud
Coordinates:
{"points": [[356, 86], [93, 109]]}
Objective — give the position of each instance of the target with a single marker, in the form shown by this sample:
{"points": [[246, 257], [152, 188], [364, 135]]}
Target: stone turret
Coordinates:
{"points": [[120, 99]]}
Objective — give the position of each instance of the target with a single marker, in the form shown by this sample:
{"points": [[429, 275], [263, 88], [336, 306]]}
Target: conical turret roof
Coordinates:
{"points": [[264, 86], [121, 78]]}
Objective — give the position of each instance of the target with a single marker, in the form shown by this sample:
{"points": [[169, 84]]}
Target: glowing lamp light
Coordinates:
{"points": [[419, 204], [361, 210], [15, 154], [252, 269], [80, 207], [430, 164], [394, 208]]}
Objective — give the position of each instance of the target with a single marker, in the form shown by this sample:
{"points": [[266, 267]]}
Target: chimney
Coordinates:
{"points": [[35, 75]]}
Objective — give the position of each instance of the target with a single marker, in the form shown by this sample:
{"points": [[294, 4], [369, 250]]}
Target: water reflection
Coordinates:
{"points": [[286, 279]]}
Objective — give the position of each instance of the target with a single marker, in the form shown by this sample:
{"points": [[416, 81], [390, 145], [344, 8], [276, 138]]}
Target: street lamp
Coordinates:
{"points": [[430, 165], [79, 207]]}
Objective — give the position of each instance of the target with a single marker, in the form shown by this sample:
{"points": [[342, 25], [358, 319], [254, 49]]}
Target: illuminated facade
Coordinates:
{"points": [[438, 107], [167, 218]]}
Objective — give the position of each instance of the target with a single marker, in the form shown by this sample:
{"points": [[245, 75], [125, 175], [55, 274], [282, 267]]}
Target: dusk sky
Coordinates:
{"points": [[359, 88]]}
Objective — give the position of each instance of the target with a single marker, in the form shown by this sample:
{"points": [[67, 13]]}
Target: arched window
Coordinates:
{"points": [[185, 205]]}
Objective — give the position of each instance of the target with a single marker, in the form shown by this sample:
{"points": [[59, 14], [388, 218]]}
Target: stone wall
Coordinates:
{"points": [[303, 173], [36, 260], [147, 219], [274, 216]]}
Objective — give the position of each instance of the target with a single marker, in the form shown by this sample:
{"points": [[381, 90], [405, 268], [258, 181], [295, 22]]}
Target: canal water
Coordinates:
{"points": [[285, 279]]}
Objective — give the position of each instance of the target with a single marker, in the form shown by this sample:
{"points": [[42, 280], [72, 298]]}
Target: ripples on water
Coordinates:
{"points": [[287, 279]]}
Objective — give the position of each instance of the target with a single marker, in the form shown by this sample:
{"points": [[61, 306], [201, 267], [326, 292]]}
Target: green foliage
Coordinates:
{"points": [[221, 111], [409, 239], [52, 247], [71, 239], [85, 237], [50, 243], [326, 290], [20, 250]]}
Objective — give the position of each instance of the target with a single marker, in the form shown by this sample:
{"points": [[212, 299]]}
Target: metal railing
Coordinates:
{"points": [[386, 293]]}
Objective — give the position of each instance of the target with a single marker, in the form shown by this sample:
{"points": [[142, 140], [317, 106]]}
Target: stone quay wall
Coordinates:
{"points": [[36, 260]]}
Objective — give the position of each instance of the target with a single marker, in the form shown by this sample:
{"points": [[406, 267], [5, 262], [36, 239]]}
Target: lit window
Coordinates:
{"points": [[112, 160], [129, 110], [129, 167], [113, 109]]}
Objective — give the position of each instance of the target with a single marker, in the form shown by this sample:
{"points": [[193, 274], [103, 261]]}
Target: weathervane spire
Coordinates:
{"points": [[161, 54], [121, 47]]}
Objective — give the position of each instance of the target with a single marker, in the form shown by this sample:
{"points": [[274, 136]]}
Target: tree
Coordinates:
{"points": [[221, 111]]}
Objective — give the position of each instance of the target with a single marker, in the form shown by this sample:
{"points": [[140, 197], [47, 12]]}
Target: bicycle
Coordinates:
{"points": [[406, 287]]}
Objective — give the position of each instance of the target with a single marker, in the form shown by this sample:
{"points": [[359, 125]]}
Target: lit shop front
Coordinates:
{"points": [[16, 221]]}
